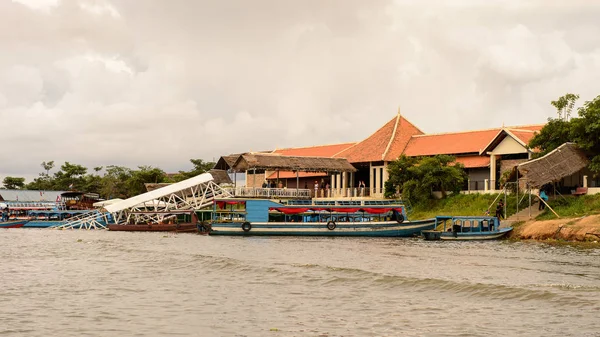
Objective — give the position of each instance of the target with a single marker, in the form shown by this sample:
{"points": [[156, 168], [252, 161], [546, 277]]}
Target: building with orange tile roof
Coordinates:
{"points": [[485, 154], [480, 151]]}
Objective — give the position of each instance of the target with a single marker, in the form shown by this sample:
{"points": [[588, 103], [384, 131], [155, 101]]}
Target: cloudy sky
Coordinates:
{"points": [[155, 82]]}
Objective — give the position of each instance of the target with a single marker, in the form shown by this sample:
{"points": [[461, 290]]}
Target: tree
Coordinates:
{"points": [[113, 183], [564, 105], [13, 183], [418, 177], [200, 166], [145, 174], [70, 176], [48, 166], [44, 181], [583, 130], [398, 173]]}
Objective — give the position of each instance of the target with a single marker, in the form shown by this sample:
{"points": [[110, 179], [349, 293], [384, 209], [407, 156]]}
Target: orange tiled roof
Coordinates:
{"points": [[462, 142], [474, 161], [524, 135], [387, 143], [314, 151]]}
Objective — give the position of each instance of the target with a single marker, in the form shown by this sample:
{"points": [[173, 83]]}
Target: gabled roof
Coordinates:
{"points": [[386, 144], [226, 162], [463, 142], [314, 151], [521, 136]]}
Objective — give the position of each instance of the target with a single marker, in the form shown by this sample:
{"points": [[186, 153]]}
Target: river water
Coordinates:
{"points": [[100, 283]]}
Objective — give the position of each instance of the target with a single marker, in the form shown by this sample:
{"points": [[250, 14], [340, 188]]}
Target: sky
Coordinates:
{"points": [[154, 82]]}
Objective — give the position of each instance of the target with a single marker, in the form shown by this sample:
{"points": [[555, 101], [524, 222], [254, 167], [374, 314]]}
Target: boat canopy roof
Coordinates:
{"points": [[341, 209]]}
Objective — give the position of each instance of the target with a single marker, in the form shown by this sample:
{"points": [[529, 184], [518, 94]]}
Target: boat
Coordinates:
{"points": [[52, 218], [170, 222], [77, 200], [367, 218], [466, 228], [13, 223]]}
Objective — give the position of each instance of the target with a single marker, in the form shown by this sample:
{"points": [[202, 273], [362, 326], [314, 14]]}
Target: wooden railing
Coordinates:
{"points": [[258, 192]]}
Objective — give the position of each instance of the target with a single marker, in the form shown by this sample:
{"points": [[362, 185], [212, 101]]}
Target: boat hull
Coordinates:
{"points": [[188, 227], [13, 224], [468, 236], [363, 229]]}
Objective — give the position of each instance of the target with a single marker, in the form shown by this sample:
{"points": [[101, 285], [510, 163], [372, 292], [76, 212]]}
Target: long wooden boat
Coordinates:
{"points": [[366, 218], [171, 223], [466, 228], [51, 218], [13, 223]]}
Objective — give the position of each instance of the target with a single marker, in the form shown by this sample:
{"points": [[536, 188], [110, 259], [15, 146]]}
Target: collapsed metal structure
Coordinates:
{"points": [[155, 206]]}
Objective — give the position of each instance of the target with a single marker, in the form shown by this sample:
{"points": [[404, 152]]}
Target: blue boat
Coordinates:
{"points": [[367, 218], [51, 218], [466, 228]]}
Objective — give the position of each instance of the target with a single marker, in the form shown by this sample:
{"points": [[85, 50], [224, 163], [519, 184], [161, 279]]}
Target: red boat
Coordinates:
{"points": [[13, 223], [181, 227], [174, 226]]}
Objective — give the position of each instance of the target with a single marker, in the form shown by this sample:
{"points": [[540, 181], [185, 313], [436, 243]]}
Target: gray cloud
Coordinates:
{"points": [[101, 82]]}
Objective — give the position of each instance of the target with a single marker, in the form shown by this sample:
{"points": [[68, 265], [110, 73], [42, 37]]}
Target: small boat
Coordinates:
{"points": [[465, 228], [364, 218], [13, 223], [170, 222]]}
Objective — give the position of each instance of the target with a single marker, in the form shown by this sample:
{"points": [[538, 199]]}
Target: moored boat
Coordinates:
{"points": [[170, 222], [367, 218], [51, 218], [13, 223], [466, 228]]}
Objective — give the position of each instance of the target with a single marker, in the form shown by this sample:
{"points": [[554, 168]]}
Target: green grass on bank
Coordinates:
{"points": [[461, 204], [570, 206]]}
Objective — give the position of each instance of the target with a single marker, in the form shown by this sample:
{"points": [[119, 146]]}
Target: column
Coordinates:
{"points": [[492, 185]]}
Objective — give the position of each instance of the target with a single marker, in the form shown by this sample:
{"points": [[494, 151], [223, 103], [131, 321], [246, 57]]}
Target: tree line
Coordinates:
{"points": [[114, 182]]}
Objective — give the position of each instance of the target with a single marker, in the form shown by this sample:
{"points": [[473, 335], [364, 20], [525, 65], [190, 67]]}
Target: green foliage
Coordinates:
{"points": [[461, 204], [145, 174], [116, 182], [200, 166], [583, 130], [13, 183], [416, 178], [555, 133], [564, 105], [572, 206]]}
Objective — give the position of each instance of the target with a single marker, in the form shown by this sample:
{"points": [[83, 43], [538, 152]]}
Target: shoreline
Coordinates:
{"points": [[578, 231]]}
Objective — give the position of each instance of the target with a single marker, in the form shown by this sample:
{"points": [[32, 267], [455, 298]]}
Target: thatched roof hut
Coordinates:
{"points": [[274, 162], [561, 162], [226, 162]]}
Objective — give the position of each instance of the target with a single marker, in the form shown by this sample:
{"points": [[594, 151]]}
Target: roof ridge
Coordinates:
{"points": [[392, 137], [367, 138], [520, 130], [516, 127]]}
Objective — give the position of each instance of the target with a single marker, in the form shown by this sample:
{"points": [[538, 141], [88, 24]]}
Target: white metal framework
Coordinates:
{"points": [[191, 194]]}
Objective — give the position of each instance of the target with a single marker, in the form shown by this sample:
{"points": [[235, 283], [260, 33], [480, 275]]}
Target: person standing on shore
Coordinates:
{"points": [[544, 198], [500, 210]]}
